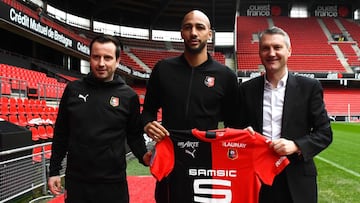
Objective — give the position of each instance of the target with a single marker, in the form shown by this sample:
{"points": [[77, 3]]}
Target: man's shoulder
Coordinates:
{"points": [[220, 68], [252, 81], [173, 59], [167, 62], [75, 83], [303, 80]]}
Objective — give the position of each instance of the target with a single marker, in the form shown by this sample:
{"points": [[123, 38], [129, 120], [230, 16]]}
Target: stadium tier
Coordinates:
{"points": [[314, 49], [342, 102], [149, 57], [34, 82]]}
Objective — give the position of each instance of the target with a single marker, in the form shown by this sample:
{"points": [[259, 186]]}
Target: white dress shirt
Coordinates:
{"points": [[273, 108]]}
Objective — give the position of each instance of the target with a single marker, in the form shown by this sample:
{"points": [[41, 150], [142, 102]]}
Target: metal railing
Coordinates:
{"points": [[22, 170]]}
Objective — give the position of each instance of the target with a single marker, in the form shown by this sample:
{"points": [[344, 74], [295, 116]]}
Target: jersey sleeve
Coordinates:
{"points": [[162, 160], [266, 162]]}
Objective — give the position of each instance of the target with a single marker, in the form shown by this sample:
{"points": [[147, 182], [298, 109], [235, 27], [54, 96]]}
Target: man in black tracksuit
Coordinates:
{"points": [[190, 97], [97, 115], [193, 90]]}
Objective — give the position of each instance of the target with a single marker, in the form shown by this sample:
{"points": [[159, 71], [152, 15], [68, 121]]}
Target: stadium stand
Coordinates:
{"points": [[353, 29], [309, 41], [342, 102], [331, 25], [130, 62], [150, 56], [309, 45]]}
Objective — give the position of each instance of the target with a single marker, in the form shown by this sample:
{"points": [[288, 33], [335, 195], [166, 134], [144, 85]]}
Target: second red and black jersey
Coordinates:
{"points": [[227, 165]]}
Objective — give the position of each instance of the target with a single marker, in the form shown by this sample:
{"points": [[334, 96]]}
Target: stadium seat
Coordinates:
{"points": [[14, 119], [13, 108], [22, 120], [4, 117], [37, 157], [19, 102], [42, 132], [5, 109], [49, 131], [47, 152], [34, 134], [4, 100], [13, 101], [51, 118], [20, 109], [5, 88]]}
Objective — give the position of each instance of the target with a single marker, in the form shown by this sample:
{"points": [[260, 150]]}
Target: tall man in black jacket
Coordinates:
{"points": [[193, 90]]}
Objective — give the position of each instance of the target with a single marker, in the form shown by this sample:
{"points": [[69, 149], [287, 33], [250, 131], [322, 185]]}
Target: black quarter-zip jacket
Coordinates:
{"points": [[94, 121], [191, 97]]}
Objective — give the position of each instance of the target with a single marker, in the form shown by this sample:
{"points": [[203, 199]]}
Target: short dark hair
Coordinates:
{"points": [[276, 30], [108, 38]]}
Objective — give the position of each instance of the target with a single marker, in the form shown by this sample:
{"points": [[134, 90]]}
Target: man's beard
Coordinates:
{"points": [[195, 50]]}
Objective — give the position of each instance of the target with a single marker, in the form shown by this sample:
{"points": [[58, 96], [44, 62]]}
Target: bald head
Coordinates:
{"points": [[198, 15]]}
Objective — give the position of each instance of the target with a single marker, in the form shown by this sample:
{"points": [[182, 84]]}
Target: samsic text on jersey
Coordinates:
{"points": [[218, 166]]}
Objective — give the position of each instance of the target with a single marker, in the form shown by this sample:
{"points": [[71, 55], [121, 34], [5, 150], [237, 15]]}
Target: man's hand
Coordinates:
{"points": [[250, 129], [155, 131], [147, 158], [54, 184], [283, 146]]}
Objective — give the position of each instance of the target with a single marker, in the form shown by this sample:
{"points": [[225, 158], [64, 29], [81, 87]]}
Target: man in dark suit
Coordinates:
{"points": [[288, 109]]}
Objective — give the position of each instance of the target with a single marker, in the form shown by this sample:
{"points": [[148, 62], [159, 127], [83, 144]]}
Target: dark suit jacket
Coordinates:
{"points": [[304, 120]]}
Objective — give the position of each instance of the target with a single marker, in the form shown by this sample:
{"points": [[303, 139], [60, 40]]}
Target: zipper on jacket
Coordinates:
{"points": [[189, 95]]}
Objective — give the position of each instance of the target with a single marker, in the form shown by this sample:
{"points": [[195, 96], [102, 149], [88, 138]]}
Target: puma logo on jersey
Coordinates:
{"points": [[192, 153], [190, 145], [83, 97]]}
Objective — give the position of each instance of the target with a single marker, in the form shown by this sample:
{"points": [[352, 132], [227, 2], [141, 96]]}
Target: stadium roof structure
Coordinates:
{"points": [[167, 14], [150, 14]]}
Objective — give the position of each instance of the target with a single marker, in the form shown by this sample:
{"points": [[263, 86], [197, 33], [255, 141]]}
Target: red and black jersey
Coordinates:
{"points": [[224, 165]]}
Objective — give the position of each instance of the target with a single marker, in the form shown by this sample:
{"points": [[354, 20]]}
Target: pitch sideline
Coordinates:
{"points": [[338, 166]]}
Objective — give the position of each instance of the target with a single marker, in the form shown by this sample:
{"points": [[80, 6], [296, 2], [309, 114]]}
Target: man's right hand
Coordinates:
{"points": [[155, 131], [54, 184]]}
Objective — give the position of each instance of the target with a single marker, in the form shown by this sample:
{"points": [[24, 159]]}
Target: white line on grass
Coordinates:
{"points": [[338, 166]]}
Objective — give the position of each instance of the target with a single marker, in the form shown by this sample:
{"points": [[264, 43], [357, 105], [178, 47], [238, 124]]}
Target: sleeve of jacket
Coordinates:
{"points": [[230, 106], [242, 110], [61, 136], [152, 97], [135, 138], [321, 133]]}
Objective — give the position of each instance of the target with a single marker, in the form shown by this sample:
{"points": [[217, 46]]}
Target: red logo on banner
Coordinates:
{"points": [[343, 11], [275, 11]]}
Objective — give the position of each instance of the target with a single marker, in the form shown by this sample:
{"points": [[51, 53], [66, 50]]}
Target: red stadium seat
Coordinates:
{"points": [[22, 120], [42, 132], [34, 134], [14, 119], [4, 117], [37, 157], [47, 152], [5, 109], [49, 131]]}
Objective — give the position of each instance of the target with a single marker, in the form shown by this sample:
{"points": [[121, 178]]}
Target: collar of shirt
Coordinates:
{"points": [[281, 83]]}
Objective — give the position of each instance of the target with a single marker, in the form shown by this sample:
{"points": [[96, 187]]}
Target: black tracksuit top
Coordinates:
{"points": [[191, 97], [94, 121]]}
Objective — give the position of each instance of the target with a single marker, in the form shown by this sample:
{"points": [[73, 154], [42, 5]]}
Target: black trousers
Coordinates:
{"points": [[84, 192], [162, 191], [277, 193]]}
